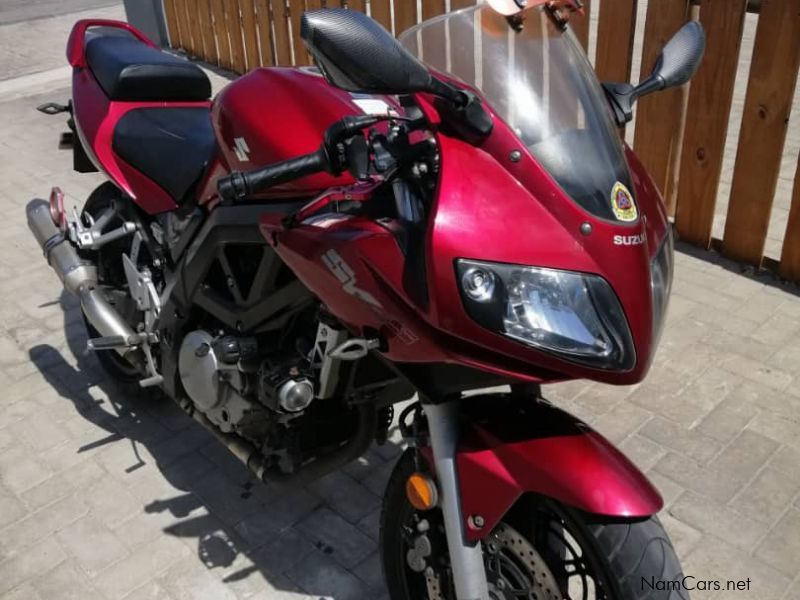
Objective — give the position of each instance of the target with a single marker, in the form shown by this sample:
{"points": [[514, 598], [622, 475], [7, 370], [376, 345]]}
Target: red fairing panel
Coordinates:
{"points": [[491, 208], [567, 461], [355, 266]]}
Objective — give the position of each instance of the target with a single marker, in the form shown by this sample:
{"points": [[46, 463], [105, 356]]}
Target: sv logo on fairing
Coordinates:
{"points": [[630, 240], [347, 277]]}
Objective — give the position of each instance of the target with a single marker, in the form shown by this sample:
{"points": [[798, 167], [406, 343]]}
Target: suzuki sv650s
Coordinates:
{"points": [[440, 216]]}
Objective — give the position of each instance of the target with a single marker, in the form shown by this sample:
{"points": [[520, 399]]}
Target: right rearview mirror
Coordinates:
{"points": [[676, 65]]}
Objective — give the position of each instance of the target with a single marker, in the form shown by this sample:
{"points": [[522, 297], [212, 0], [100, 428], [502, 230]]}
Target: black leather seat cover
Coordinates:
{"points": [[172, 146], [129, 70]]}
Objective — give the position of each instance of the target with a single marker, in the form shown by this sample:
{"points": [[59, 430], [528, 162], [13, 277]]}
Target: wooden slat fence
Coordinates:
{"points": [[680, 135]]}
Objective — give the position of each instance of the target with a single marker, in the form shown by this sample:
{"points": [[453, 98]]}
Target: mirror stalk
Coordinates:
{"points": [[622, 96]]}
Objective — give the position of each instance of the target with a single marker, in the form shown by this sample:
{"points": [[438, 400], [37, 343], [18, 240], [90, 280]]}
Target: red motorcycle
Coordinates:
{"points": [[428, 218]]}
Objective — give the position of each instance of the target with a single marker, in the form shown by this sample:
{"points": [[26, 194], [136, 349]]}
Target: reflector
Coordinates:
{"points": [[57, 212], [421, 492]]}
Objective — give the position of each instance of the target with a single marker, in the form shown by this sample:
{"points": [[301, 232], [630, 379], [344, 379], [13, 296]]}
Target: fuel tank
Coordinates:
{"points": [[274, 114]]}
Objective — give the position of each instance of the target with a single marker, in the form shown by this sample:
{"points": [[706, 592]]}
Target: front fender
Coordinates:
{"points": [[541, 449]]}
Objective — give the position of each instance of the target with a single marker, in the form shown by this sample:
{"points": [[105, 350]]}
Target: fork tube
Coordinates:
{"points": [[466, 559]]}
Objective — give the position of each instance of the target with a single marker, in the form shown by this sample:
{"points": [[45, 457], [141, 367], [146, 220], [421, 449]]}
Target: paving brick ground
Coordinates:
{"points": [[106, 495]]}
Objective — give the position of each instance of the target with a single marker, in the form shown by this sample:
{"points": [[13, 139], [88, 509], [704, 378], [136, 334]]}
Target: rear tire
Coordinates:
{"points": [[618, 555]]}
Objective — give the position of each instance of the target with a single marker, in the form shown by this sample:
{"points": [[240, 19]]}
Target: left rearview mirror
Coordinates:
{"points": [[356, 54]]}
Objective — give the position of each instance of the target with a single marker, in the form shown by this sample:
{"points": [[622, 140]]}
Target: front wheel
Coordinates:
{"points": [[542, 550]]}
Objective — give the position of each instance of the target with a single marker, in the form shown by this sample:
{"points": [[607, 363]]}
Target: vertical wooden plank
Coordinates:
{"points": [[221, 31], [580, 24], [790, 256], [405, 15], [773, 76], [207, 29], [462, 53], [709, 108], [615, 31], [381, 11], [233, 20], [432, 8], [459, 4], [264, 19], [249, 32], [196, 28], [296, 8], [172, 23], [183, 25], [283, 42], [658, 119], [359, 5]]}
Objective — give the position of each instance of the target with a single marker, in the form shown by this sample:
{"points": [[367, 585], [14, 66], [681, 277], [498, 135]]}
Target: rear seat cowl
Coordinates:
{"points": [[128, 70]]}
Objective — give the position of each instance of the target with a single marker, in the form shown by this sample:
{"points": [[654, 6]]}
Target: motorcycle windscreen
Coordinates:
{"points": [[539, 81]]}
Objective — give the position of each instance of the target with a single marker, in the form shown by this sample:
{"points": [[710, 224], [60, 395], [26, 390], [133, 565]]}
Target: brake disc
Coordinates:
{"points": [[514, 567]]}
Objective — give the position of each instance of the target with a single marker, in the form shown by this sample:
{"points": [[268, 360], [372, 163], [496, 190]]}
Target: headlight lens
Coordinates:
{"points": [[574, 315], [661, 270]]}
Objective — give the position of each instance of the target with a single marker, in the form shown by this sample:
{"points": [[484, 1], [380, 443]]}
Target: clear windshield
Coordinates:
{"points": [[539, 81]]}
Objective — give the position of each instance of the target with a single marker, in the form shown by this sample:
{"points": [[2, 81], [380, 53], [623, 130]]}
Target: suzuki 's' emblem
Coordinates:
{"points": [[241, 149], [347, 277]]}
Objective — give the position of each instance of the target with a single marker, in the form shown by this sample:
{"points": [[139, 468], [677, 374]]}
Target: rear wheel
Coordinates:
{"points": [[542, 550]]}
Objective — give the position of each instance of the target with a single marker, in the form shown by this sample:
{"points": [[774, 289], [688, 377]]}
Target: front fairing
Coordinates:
{"points": [[502, 204]]}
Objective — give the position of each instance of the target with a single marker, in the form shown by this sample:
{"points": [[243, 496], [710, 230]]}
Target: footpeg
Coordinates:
{"points": [[153, 381], [107, 343], [354, 349]]}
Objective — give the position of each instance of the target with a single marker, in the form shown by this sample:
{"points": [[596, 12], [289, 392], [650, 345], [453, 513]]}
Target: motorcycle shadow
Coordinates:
{"points": [[198, 492]]}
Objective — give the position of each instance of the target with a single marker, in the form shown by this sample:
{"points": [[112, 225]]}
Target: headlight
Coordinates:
{"points": [[573, 315], [661, 270]]}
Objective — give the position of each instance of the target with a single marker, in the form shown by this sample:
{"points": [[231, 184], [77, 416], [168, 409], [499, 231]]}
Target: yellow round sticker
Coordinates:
{"points": [[623, 204]]}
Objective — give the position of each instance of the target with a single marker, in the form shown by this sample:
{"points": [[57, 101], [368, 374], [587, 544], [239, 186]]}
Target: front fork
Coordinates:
{"points": [[466, 559]]}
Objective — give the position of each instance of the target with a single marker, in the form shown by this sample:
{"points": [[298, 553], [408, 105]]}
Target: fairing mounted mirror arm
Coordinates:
{"points": [[356, 54], [676, 65]]}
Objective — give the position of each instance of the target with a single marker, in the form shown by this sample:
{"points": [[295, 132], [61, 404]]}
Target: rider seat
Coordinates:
{"points": [[172, 146], [131, 71]]}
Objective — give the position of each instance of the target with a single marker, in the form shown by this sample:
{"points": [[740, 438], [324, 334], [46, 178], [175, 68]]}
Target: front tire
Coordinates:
{"points": [[541, 546]]}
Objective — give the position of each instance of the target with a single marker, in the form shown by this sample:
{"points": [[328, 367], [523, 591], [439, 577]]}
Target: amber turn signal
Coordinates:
{"points": [[421, 492]]}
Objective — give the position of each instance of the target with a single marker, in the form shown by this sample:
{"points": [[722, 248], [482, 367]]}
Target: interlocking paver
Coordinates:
{"points": [[717, 519], [336, 537], [781, 549], [767, 496]]}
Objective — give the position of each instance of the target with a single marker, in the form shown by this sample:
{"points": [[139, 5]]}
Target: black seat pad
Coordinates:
{"points": [[129, 70], [172, 146]]}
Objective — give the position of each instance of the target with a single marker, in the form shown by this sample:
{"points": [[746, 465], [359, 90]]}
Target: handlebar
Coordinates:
{"points": [[240, 185]]}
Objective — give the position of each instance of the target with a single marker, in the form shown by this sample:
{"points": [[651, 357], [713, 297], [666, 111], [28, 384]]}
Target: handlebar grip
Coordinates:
{"points": [[237, 186]]}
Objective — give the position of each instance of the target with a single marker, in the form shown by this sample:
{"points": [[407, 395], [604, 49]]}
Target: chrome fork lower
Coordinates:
{"points": [[466, 560]]}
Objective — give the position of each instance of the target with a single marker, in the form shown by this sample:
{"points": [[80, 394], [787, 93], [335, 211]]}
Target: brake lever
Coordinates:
{"points": [[359, 193]]}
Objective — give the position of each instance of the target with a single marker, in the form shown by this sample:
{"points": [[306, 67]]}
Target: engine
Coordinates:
{"points": [[237, 388]]}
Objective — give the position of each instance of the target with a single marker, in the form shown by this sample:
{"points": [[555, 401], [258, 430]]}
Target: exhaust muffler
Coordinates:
{"points": [[78, 276]]}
